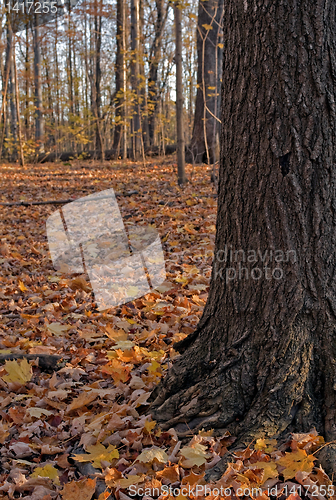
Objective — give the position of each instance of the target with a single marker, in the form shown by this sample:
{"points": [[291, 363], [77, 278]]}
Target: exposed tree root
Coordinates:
{"points": [[250, 392]]}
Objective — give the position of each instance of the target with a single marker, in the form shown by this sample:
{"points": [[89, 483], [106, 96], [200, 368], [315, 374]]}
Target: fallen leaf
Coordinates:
{"points": [[150, 454], [296, 461], [47, 471], [195, 455], [18, 372], [96, 453], [79, 490]]}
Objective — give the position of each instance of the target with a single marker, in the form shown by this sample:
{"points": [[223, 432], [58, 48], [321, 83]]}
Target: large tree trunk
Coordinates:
{"points": [[204, 141], [263, 357]]}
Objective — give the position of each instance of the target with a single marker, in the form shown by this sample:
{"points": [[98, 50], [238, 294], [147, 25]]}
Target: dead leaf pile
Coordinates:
{"points": [[79, 431]]}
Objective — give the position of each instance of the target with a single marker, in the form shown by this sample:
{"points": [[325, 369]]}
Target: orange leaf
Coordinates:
{"points": [[296, 461], [83, 490], [119, 372]]}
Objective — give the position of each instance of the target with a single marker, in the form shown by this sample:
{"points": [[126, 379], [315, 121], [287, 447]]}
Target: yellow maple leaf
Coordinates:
{"points": [[295, 462], [154, 366], [149, 426], [96, 453], [47, 471], [150, 454], [83, 490], [269, 468], [194, 455], [18, 372], [267, 445]]}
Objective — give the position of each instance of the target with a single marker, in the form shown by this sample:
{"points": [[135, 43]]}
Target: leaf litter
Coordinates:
{"points": [[77, 432]]}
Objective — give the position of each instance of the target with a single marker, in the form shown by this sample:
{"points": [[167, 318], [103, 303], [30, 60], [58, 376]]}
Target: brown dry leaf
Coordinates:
{"points": [[131, 479], [85, 398], [192, 478], [294, 496], [4, 431], [79, 283], [112, 476], [171, 474], [104, 495], [79, 490], [310, 441], [116, 335]]}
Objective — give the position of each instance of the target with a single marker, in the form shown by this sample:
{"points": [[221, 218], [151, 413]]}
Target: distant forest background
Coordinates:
{"points": [[100, 80]]}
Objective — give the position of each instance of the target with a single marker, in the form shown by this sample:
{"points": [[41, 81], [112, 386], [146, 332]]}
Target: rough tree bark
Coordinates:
{"points": [[263, 357], [209, 69]]}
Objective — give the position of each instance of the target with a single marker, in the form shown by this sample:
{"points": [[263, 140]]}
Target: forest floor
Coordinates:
{"points": [[76, 427]]}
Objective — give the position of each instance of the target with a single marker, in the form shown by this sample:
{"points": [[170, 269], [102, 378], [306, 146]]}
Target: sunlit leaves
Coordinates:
{"points": [[98, 453], [19, 372]]}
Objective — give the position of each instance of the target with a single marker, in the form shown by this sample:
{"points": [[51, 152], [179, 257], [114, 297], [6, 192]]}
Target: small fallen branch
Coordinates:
{"points": [[61, 202], [45, 361], [28, 203]]}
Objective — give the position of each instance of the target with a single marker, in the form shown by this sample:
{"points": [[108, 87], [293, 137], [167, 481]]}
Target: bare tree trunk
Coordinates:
{"points": [[58, 106], [155, 55], [12, 105], [119, 73], [4, 110], [70, 72], [39, 125], [135, 20], [143, 90], [263, 357], [17, 97], [124, 80], [97, 81], [27, 87], [179, 96], [209, 55]]}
